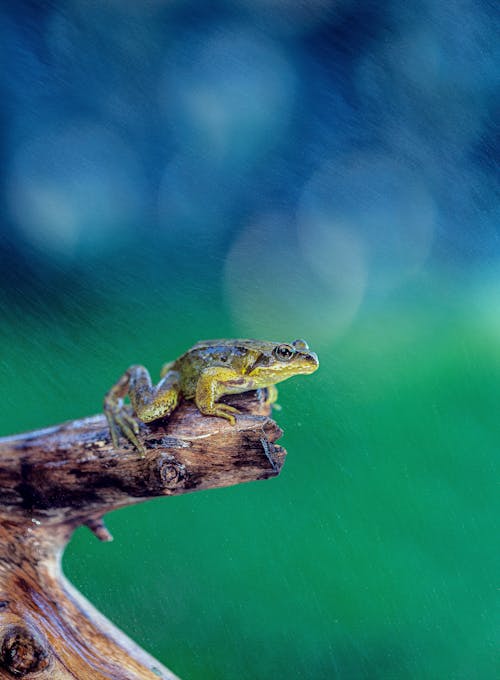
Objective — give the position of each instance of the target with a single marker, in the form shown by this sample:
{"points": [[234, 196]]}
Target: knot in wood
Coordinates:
{"points": [[171, 472], [22, 652]]}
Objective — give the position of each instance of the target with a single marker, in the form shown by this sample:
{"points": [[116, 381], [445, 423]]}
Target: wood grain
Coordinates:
{"points": [[53, 480]]}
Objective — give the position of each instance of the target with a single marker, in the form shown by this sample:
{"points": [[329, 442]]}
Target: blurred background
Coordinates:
{"points": [[174, 171]]}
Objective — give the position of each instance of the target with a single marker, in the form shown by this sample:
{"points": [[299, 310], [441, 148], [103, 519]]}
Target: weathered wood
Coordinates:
{"points": [[53, 480]]}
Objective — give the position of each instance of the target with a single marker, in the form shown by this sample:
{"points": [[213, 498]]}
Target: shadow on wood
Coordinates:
{"points": [[53, 480]]}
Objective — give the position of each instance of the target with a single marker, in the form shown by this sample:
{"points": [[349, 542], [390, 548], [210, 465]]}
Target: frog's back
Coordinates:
{"points": [[235, 354], [242, 344]]}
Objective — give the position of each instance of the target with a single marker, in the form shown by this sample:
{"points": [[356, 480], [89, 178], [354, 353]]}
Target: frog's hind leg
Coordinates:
{"points": [[120, 422], [148, 402], [152, 402]]}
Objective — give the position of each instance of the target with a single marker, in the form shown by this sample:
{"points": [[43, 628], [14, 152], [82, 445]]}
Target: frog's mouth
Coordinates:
{"points": [[280, 370], [312, 362]]}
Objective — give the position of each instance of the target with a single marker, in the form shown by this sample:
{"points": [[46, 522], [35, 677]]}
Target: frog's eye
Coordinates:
{"points": [[300, 344], [283, 352]]}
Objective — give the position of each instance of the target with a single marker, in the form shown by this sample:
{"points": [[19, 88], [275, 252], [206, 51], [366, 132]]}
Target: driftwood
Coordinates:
{"points": [[53, 480]]}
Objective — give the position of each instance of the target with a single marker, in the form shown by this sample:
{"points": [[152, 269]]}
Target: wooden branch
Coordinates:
{"points": [[53, 480]]}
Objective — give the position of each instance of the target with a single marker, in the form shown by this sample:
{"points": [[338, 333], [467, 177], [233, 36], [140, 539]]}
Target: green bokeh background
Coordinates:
{"points": [[176, 171], [373, 555]]}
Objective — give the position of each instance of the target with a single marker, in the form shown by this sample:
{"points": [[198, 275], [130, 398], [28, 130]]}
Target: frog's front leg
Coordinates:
{"points": [[148, 402], [212, 384]]}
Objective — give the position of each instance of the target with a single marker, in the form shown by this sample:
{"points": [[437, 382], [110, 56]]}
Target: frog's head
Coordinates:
{"points": [[277, 362]]}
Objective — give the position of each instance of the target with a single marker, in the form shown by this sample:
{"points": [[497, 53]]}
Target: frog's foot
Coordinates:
{"points": [[222, 411], [272, 395], [123, 424]]}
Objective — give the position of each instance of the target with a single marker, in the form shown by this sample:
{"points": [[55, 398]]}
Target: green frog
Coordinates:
{"points": [[206, 372]]}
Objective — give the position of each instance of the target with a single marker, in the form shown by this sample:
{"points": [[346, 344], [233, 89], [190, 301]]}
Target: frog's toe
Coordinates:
{"points": [[115, 435], [131, 422], [220, 410], [130, 434], [122, 424], [226, 416], [226, 411], [113, 427]]}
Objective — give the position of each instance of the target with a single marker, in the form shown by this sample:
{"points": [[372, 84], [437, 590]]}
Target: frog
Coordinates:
{"points": [[203, 374]]}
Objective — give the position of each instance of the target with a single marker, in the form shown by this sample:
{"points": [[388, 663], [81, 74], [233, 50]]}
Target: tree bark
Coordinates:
{"points": [[53, 480]]}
